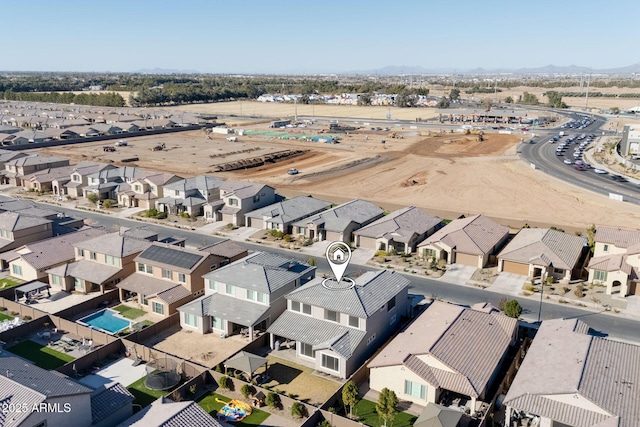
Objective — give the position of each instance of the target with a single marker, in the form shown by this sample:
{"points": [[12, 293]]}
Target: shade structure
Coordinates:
{"points": [[438, 416], [245, 362]]}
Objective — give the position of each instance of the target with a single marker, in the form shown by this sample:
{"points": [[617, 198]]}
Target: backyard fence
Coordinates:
{"points": [[21, 309], [24, 330], [155, 329], [99, 301], [89, 360]]}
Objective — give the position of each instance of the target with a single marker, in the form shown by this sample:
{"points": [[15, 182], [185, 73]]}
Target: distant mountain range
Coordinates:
{"points": [[391, 70]]}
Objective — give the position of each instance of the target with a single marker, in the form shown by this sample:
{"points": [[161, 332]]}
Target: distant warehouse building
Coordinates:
{"points": [[630, 143]]}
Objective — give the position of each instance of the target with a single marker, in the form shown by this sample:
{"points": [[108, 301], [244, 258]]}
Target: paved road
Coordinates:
{"points": [[615, 325]]}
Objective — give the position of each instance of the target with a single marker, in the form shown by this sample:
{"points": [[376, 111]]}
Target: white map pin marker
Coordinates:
{"points": [[338, 255]]}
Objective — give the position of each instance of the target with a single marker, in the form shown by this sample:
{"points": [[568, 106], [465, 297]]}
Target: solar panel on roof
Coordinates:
{"points": [[171, 256]]}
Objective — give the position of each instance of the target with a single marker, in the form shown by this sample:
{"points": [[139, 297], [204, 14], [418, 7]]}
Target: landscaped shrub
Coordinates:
{"points": [[298, 410], [151, 213], [272, 400], [247, 390], [109, 203], [578, 290], [218, 368], [381, 253], [225, 382], [161, 215]]}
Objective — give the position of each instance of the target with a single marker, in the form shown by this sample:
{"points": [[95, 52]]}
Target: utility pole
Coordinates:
{"points": [[586, 103]]}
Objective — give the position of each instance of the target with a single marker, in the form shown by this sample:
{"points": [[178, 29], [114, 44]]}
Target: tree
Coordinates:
{"points": [[591, 235], [364, 99], [454, 94], [555, 99], [272, 400], [387, 406], [615, 110], [406, 100], [513, 309], [443, 103], [298, 410], [247, 390], [487, 104], [508, 100], [225, 382], [529, 99], [312, 261], [350, 395], [93, 198]]}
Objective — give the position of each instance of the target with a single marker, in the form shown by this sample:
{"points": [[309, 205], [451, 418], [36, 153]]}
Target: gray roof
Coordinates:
{"points": [[372, 290], [47, 383], [144, 284], [7, 155], [446, 333], [290, 210], [243, 312], [241, 189], [36, 159], [321, 334], [109, 399], [200, 182], [115, 244], [49, 252], [175, 256], [475, 235], [564, 360], [543, 246], [174, 294], [163, 412], [14, 393], [435, 415], [121, 172], [198, 307], [338, 218], [400, 225], [14, 221], [92, 271], [620, 237], [246, 362], [225, 248], [260, 271]]}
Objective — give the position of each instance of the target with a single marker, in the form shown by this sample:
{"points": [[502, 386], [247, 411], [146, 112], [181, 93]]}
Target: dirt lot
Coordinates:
{"points": [[446, 174]]}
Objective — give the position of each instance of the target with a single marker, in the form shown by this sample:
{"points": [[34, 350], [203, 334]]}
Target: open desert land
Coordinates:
{"points": [[446, 174]]}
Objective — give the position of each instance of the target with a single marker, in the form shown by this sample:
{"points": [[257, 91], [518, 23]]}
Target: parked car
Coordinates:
{"points": [[121, 143], [293, 171], [600, 171], [108, 148]]}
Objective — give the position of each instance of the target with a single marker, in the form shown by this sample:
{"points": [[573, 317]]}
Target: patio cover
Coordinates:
{"points": [[246, 362], [438, 416], [30, 287]]}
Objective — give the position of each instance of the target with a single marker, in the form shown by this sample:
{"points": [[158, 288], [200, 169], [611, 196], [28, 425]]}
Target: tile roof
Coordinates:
{"points": [[165, 413], [225, 248], [290, 210], [13, 393], [144, 284], [261, 271], [319, 333], [241, 189], [36, 159], [373, 289], [475, 235], [564, 360], [92, 271], [115, 244], [174, 294], [198, 307], [175, 256], [446, 332], [109, 399], [545, 246], [400, 225], [14, 221], [49, 252], [339, 218], [239, 311], [617, 262], [620, 237], [200, 182], [48, 383]]}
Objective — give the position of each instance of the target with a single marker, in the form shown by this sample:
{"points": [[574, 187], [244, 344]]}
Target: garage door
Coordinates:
{"points": [[515, 267], [466, 259], [255, 223]]}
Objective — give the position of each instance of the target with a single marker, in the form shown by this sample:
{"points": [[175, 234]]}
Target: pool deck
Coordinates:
{"points": [[121, 371], [115, 314]]}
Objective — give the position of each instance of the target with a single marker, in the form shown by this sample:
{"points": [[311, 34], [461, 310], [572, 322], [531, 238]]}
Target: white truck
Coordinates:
{"points": [[232, 139]]}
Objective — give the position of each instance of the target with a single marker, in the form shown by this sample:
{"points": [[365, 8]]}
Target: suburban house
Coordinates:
{"points": [[245, 296], [571, 378], [55, 179], [538, 252], [79, 178], [616, 260], [167, 277], [22, 383], [60, 133], [19, 229], [100, 263], [107, 182], [228, 250], [468, 241], [401, 231], [237, 199], [8, 155], [163, 412], [281, 215], [31, 136], [6, 139], [31, 261], [430, 362], [189, 195], [338, 223], [17, 169], [143, 192], [337, 326]]}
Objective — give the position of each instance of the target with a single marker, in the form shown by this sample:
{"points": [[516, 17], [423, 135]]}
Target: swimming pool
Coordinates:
{"points": [[106, 321]]}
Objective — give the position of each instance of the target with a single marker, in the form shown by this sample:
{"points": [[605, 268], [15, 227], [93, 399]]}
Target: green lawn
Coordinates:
{"points": [[129, 312], [5, 317], [212, 406], [366, 411], [42, 356], [9, 282], [145, 396]]}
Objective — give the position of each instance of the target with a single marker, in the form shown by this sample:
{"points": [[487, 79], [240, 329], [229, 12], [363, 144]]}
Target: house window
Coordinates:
{"points": [[216, 323], [391, 304], [182, 278], [606, 248], [137, 188], [261, 297], [230, 289], [56, 280], [77, 283], [111, 260], [75, 178], [295, 306], [415, 389], [157, 307], [166, 273], [306, 308], [331, 315], [233, 202], [141, 267], [330, 362], [354, 321], [81, 252], [93, 256], [145, 300], [149, 268], [16, 270], [371, 339], [213, 285], [599, 275], [213, 267], [190, 319], [558, 271], [5, 233], [251, 294], [176, 192], [429, 253], [307, 350]]}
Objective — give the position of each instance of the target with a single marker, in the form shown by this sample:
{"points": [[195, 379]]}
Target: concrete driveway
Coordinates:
{"points": [[458, 274], [508, 283]]}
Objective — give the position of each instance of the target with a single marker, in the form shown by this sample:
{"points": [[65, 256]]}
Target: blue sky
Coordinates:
{"points": [[260, 36]]}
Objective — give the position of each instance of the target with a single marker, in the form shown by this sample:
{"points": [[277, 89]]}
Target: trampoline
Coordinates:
{"points": [[162, 374]]}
